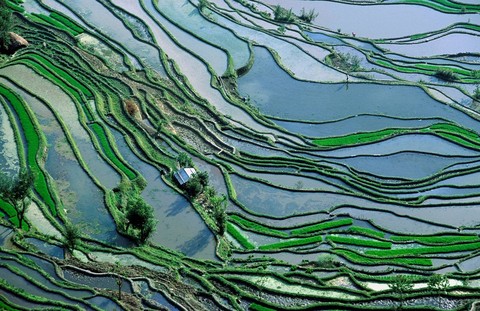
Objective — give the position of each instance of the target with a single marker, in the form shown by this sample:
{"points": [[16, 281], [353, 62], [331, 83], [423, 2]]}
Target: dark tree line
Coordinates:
{"points": [[6, 24]]}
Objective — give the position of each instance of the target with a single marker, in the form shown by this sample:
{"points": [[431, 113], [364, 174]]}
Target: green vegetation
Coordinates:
{"points": [[139, 215], [343, 61], [359, 242], [309, 16], [306, 259], [440, 239], [184, 160], [292, 243], [257, 307], [327, 261], [59, 82], [16, 191], [447, 6], [256, 227], [476, 93], [283, 15], [72, 237], [67, 22], [368, 260], [366, 231], [323, 226], [401, 285], [6, 24], [239, 237], [452, 132], [33, 142], [48, 20], [446, 75], [425, 250], [109, 152]]}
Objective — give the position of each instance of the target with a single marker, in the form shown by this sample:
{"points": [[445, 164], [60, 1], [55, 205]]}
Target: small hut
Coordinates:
{"points": [[183, 175]]}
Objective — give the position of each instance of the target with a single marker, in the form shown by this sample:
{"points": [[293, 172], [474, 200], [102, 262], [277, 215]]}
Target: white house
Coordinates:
{"points": [[184, 174]]}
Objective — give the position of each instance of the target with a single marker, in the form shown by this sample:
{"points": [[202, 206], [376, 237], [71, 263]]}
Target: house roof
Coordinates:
{"points": [[184, 174]]}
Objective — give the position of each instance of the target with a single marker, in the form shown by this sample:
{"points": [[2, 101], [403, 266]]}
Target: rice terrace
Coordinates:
{"points": [[240, 155]]}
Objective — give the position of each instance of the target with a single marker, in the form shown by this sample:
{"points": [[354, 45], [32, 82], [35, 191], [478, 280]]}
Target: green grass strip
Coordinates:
{"points": [[447, 131], [359, 242], [323, 226], [67, 22], [109, 152], [4, 306], [33, 143], [237, 235], [363, 260], [52, 22], [8, 208], [14, 220], [428, 69], [366, 231], [257, 307], [292, 243], [256, 227], [442, 239], [425, 250], [15, 7], [446, 6]]}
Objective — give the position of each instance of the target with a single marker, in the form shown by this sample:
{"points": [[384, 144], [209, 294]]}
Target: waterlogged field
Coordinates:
{"points": [[337, 145]]}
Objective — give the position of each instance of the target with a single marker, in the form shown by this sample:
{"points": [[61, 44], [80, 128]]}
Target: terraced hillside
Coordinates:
{"points": [[336, 145]]}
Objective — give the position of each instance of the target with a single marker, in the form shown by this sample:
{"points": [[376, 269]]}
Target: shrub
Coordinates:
{"points": [[184, 160], [476, 93], [323, 226], [446, 75], [283, 15], [327, 261], [308, 16], [193, 187], [344, 61]]}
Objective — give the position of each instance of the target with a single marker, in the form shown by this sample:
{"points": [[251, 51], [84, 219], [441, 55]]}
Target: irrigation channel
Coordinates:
{"points": [[336, 145]]}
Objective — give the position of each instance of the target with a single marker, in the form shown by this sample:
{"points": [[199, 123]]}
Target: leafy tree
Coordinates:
{"points": [[438, 283], [202, 178], [147, 230], [15, 190], [400, 285], [140, 216], [72, 237], [193, 187], [6, 24], [219, 206], [209, 192], [184, 160]]}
